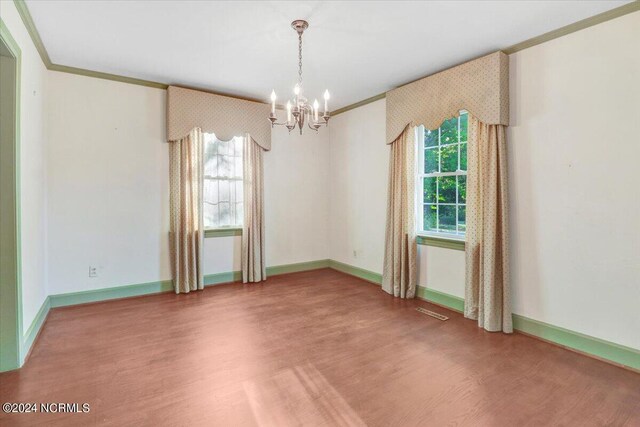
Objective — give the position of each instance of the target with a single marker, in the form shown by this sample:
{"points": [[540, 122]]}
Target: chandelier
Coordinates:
{"points": [[300, 111]]}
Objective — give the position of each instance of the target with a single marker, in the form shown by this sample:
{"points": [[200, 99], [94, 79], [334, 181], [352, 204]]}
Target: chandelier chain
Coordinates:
{"points": [[300, 59]]}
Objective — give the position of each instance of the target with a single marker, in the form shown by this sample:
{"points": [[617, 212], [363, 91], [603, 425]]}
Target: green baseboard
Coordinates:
{"points": [[235, 276], [218, 278], [440, 298], [105, 294], [367, 275], [297, 267], [602, 349], [34, 329], [606, 350]]}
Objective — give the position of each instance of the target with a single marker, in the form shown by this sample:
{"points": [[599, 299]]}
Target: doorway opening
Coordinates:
{"points": [[10, 285]]}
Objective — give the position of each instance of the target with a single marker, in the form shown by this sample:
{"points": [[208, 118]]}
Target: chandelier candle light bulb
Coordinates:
{"points": [[273, 102], [301, 111], [326, 101], [296, 92]]}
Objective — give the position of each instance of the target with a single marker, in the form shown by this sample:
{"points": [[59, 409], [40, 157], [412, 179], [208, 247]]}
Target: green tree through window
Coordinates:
{"points": [[442, 178]]}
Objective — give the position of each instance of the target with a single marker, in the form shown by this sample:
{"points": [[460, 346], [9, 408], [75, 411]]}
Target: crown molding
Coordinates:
{"points": [[21, 6], [626, 9], [634, 6], [359, 104], [106, 76], [534, 41]]}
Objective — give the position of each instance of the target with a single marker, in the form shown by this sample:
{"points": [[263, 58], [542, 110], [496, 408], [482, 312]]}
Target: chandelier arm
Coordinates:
{"points": [[287, 124]]}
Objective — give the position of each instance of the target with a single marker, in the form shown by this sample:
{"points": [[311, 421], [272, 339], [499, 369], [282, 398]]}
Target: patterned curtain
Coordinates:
{"points": [[185, 197], [399, 275], [253, 254], [487, 292]]}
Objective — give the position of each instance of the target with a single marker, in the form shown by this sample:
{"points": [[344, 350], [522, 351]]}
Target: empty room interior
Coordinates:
{"points": [[319, 213]]}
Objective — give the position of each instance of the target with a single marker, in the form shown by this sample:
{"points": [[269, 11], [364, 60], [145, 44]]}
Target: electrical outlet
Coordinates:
{"points": [[93, 271]]}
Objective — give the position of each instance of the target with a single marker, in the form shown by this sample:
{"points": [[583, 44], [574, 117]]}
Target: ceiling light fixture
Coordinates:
{"points": [[300, 110]]}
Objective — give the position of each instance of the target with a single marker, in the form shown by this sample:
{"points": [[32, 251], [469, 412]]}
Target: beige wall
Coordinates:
{"points": [[108, 190], [574, 181], [107, 181], [359, 165], [573, 176]]}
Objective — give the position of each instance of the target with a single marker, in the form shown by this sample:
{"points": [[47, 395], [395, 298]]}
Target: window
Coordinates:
{"points": [[442, 178], [222, 182]]}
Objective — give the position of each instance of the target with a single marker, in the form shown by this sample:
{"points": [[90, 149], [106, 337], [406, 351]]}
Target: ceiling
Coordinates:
{"points": [[357, 49]]}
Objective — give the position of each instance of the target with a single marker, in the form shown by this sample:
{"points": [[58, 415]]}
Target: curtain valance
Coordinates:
{"points": [[225, 116], [480, 86]]}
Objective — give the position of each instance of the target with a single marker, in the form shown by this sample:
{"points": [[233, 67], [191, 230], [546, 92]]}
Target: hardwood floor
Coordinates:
{"points": [[318, 348]]}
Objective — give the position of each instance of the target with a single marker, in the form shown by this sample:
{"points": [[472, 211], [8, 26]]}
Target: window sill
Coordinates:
{"points": [[222, 232], [441, 242]]}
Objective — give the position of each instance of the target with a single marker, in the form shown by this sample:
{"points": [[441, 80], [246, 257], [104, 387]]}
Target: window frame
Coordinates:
{"points": [[426, 235], [230, 230]]}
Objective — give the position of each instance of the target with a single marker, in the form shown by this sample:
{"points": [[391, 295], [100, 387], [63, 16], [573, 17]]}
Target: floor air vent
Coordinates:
{"points": [[432, 313]]}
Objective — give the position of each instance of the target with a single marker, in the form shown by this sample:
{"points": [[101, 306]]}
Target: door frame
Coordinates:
{"points": [[11, 330]]}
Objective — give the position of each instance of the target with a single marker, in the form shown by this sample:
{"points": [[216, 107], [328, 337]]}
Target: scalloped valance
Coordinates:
{"points": [[225, 116], [480, 86]]}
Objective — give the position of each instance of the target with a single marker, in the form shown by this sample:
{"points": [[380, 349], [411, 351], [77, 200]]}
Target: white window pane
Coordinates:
{"points": [[208, 139], [208, 215], [224, 166], [429, 190], [430, 138], [449, 158], [447, 218], [238, 147], [464, 119], [211, 165], [224, 214], [463, 157], [431, 156], [239, 213], [447, 189], [223, 195], [232, 191], [430, 217], [238, 167], [215, 190], [215, 216], [462, 216], [210, 191], [239, 191], [206, 191]]}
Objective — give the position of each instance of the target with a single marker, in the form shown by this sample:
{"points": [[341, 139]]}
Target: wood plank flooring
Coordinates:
{"points": [[318, 348]]}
